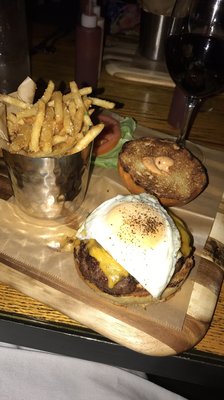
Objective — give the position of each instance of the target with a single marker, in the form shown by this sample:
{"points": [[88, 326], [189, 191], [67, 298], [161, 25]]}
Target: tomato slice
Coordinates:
{"points": [[109, 136]]}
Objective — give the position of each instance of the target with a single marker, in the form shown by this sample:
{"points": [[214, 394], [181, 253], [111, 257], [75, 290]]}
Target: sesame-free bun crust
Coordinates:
{"points": [[181, 180]]}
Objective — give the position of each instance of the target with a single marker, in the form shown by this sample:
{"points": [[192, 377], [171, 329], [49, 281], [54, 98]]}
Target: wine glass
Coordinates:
{"points": [[194, 54]]}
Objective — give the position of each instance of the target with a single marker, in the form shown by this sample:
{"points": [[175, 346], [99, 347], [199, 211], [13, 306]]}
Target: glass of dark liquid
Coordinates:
{"points": [[195, 54]]}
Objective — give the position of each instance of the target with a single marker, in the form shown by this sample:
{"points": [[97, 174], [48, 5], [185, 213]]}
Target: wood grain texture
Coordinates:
{"points": [[149, 105], [117, 324]]}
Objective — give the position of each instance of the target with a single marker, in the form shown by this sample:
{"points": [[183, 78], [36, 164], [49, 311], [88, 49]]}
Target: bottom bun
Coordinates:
{"points": [[139, 295]]}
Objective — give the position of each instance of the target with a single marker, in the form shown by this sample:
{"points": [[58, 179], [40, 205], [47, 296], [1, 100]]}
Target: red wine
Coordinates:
{"points": [[196, 63]]}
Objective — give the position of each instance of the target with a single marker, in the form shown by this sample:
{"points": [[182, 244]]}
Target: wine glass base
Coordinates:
{"points": [[195, 150]]}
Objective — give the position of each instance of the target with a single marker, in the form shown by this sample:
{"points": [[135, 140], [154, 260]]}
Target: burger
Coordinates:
{"points": [[161, 167], [132, 249]]}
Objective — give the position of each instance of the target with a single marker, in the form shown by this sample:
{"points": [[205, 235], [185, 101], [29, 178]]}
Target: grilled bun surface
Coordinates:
{"points": [[162, 168], [131, 248]]}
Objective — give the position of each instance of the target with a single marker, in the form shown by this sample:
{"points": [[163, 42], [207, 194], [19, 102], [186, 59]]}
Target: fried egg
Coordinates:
{"points": [[140, 235]]}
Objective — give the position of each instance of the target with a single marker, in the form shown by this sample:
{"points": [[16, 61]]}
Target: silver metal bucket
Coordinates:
{"points": [[49, 188]]}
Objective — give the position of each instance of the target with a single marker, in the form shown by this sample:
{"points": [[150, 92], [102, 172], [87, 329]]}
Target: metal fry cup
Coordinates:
{"points": [[49, 188]]}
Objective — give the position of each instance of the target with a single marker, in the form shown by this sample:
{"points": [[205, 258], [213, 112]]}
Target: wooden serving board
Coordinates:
{"points": [[128, 325]]}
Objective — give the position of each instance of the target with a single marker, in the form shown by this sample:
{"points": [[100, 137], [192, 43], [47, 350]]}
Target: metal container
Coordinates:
{"points": [[49, 188], [153, 32]]}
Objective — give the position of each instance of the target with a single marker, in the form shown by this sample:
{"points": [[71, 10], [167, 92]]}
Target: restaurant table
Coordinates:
{"points": [[27, 322]]}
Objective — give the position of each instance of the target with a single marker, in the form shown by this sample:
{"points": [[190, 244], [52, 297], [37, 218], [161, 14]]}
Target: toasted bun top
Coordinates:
{"points": [[162, 168]]}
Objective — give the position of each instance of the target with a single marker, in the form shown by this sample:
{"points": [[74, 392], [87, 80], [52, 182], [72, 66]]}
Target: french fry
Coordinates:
{"points": [[48, 92], [28, 112], [68, 126], [59, 139], [88, 120], [67, 97], [109, 105], [87, 102], [79, 102], [11, 118], [77, 120], [76, 95], [11, 130], [36, 130], [91, 111], [64, 148], [86, 124], [72, 110], [26, 132], [85, 91], [50, 103], [21, 140], [6, 98], [93, 132], [58, 107], [56, 125], [47, 131], [17, 144]]}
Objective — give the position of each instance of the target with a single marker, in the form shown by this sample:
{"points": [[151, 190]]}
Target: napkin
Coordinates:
{"points": [[25, 92]]}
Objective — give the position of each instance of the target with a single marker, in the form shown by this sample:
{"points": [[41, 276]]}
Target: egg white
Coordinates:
{"points": [[140, 235]]}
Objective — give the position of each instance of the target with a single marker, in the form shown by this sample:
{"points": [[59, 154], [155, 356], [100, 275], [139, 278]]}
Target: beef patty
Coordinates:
{"points": [[91, 271]]}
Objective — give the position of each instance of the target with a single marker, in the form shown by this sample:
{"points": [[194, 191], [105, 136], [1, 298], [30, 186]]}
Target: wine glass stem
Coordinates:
{"points": [[191, 108]]}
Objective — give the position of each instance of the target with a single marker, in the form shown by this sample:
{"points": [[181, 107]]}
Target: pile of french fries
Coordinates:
{"points": [[55, 125]]}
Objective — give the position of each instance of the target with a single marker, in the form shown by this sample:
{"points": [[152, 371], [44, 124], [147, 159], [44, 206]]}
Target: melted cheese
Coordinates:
{"points": [[113, 271], [186, 247]]}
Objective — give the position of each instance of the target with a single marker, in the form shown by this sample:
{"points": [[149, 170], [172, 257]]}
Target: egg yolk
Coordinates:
{"points": [[137, 224]]}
